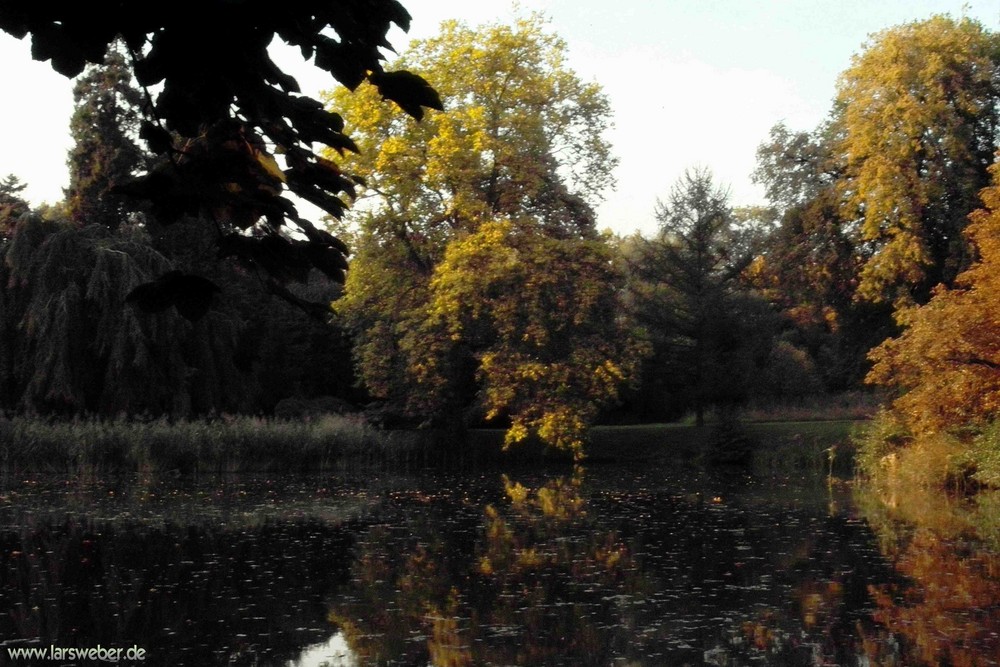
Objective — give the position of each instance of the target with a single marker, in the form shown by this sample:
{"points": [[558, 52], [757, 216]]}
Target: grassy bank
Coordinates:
{"points": [[784, 446], [252, 444]]}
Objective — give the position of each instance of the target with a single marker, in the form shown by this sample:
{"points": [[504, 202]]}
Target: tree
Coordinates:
{"points": [[810, 261], [12, 206], [522, 139], [542, 319], [946, 364], [224, 109], [686, 294], [797, 167], [520, 146], [105, 154], [918, 116]]}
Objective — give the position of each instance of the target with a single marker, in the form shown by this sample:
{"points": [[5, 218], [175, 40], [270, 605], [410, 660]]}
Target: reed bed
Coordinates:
{"points": [[227, 444]]}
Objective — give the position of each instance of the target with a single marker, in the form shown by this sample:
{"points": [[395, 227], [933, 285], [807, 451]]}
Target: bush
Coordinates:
{"points": [[986, 455], [878, 444]]}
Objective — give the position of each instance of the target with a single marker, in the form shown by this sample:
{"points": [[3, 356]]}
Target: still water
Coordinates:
{"points": [[604, 566]]}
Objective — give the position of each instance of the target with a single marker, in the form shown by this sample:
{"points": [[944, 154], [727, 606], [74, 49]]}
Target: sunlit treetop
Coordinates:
{"points": [[222, 109], [919, 120], [522, 139]]}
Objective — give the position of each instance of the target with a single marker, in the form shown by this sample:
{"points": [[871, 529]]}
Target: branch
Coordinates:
{"points": [[974, 361]]}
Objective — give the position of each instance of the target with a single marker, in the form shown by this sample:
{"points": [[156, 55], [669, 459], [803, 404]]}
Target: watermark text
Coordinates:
{"points": [[95, 653]]}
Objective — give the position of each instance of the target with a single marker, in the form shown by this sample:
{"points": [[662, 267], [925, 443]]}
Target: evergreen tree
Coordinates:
{"points": [[687, 294], [105, 154], [12, 206]]}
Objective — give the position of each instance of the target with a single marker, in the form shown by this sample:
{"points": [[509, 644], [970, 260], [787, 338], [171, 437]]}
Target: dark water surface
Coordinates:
{"points": [[604, 566]]}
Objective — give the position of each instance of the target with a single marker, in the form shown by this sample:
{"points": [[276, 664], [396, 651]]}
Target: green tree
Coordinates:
{"points": [[12, 206], [521, 144], [686, 292], [810, 261], [105, 154], [918, 116]]}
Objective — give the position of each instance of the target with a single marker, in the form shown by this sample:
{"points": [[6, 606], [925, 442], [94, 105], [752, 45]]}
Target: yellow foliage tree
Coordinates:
{"points": [[477, 269], [541, 317], [918, 120]]}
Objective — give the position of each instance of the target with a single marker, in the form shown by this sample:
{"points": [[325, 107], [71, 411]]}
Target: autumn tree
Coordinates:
{"points": [[944, 371], [541, 317], [686, 294], [946, 364], [918, 118], [520, 145]]}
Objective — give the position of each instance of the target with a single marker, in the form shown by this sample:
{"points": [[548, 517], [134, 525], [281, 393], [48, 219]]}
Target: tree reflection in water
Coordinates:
{"points": [[536, 581], [618, 566], [948, 611], [564, 572]]}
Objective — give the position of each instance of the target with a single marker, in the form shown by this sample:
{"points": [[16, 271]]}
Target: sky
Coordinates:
{"points": [[692, 83]]}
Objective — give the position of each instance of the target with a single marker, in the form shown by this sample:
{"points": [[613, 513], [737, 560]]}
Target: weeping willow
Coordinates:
{"points": [[71, 345]]}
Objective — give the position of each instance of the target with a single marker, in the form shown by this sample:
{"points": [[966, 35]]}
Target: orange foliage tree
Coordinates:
{"points": [[946, 365]]}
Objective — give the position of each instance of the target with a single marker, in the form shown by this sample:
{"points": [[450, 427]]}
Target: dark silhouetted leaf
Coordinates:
{"points": [[158, 139], [191, 295], [410, 91]]}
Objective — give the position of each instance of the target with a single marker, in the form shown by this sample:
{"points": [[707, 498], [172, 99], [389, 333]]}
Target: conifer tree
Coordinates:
{"points": [[687, 294], [105, 129]]}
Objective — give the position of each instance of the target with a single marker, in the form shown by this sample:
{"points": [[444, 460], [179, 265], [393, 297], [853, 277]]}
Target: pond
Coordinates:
{"points": [[611, 565]]}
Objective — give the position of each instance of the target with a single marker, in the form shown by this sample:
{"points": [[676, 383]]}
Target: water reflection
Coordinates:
{"points": [[948, 612], [530, 580], [612, 566], [186, 573], [565, 572]]}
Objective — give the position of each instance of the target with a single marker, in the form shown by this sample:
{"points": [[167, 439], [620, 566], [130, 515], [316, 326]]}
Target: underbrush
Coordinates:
{"points": [[960, 459]]}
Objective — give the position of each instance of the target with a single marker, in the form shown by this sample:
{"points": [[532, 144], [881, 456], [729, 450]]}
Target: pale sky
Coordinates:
{"points": [[691, 83]]}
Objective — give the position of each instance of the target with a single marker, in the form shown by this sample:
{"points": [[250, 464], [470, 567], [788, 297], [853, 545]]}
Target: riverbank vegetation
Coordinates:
{"points": [[177, 282], [332, 442]]}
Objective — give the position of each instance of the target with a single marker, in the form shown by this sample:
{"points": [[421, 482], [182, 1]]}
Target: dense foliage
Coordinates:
{"points": [[918, 117], [708, 338], [872, 203], [945, 367], [224, 110], [74, 340], [479, 275], [106, 152]]}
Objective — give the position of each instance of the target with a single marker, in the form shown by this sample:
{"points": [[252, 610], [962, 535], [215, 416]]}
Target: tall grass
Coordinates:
{"points": [[228, 444]]}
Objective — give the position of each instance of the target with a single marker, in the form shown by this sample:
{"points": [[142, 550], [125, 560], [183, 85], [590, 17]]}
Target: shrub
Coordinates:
{"points": [[986, 455], [878, 443]]}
